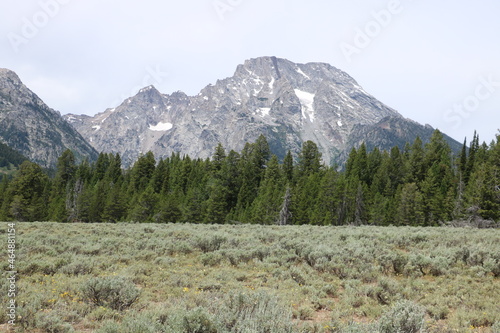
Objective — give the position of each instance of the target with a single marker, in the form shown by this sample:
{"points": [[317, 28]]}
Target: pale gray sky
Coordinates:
{"points": [[437, 62]]}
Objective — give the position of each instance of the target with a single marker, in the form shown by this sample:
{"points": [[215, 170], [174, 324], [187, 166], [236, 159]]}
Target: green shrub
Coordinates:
{"points": [[493, 266], [211, 259], [79, 267], [359, 328], [101, 314], [27, 311], [298, 275], [304, 312], [51, 323], [404, 317], [113, 292], [496, 327], [439, 266], [132, 324], [390, 289], [209, 243], [438, 312], [256, 312], [110, 327], [197, 320]]}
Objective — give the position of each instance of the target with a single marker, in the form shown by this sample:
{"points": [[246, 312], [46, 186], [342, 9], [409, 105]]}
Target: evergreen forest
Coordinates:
{"points": [[420, 185]]}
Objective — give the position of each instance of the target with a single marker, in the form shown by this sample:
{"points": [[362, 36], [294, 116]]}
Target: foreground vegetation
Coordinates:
{"points": [[144, 278]]}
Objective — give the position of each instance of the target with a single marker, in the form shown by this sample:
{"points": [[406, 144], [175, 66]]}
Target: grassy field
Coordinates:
{"points": [[139, 278]]}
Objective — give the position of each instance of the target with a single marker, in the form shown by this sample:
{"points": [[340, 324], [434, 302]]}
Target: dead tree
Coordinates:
{"points": [[285, 213]]}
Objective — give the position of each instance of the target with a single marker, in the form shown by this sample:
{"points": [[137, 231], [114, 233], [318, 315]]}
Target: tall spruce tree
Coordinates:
{"points": [[437, 188], [266, 206], [26, 194]]}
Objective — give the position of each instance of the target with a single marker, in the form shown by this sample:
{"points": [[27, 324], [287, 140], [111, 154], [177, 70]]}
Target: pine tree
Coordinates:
{"points": [[288, 168], [483, 191], [397, 170], [438, 184], [61, 198], [218, 157], [360, 165], [329, 197], [169, 209], [84, 204], [142, 171], [471, 161], [115, 206], [410, 209], [416, 163], [26, 193], [304, 199], [309, 159], [193, 210], [374, 163], [266, 206], [380, 210], [351, 162], [230, 177], [217, 209], [160, 178], [4, 185], [114, 170], [98, 201], [253, 163], [462, 160], [66, 169], [100, 167], [145, 206]]}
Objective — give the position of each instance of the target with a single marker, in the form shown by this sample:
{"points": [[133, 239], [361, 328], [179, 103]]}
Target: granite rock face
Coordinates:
{"points": [[32, 128], [287, 102]]}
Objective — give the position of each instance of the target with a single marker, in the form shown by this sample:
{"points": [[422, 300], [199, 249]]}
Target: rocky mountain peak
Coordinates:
{"points": [[287, 102], [29, 126], [12, 89]]}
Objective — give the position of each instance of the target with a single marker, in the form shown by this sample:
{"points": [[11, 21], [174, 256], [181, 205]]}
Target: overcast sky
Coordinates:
{"points": [[436, 62]]}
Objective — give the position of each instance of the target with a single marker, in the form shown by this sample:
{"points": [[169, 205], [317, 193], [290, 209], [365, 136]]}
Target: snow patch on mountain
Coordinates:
{"points": [[307, 102], [303, 74], [161, 127], [263, 112]]}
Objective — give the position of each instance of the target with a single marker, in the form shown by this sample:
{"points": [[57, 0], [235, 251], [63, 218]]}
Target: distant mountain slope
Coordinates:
{"points": [[287, 102], [393, 131], [32, 128], [9, 156]]}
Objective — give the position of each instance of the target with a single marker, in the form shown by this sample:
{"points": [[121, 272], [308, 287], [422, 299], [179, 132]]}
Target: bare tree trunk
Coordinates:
{"points": [[285, 213]]}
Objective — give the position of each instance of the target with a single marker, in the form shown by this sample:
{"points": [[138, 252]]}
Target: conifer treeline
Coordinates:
{"points": [[420, 185]]}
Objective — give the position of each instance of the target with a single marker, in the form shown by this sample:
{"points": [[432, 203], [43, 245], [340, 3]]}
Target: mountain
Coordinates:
{"points": [[10, 157], [287, 102], [390, 132], [32, 128]]}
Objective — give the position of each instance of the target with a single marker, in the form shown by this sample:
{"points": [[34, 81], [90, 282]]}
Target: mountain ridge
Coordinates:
{"points": [[287, 102], [30, 127]]}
